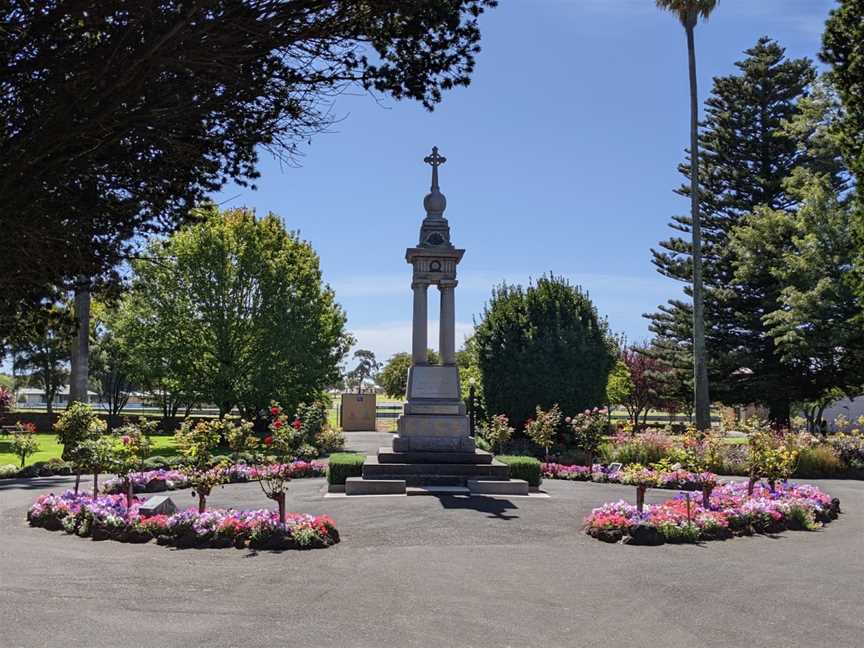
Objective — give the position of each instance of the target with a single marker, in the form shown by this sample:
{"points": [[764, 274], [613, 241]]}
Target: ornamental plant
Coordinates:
{"points": [[6, 400], [281, 445], [699, 453], [75, 425], [498, 431], [24, 441], [240, 438], [97, 455], [196, 442], [129, 449], [773, 454], [541, 429], [642, 478], [588, 429]]}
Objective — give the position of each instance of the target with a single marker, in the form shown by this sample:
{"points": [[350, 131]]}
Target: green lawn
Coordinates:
{"points": [[163, 446]]}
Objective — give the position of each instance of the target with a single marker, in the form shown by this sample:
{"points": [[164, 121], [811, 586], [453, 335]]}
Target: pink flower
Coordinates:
{"points": [[125, 439]]}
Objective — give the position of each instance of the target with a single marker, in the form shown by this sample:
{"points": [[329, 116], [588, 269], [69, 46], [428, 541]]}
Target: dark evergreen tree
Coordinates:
{"points": [[842, 50], [542, 345], [747, 157]]}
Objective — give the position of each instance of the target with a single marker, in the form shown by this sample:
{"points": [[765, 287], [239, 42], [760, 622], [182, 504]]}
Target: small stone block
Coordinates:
{"points": [[158, 505], [438, 490], [361, 486], [490, 487]]}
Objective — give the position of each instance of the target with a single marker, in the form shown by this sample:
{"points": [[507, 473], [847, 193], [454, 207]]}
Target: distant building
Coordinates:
{"points": [[35, 397]]}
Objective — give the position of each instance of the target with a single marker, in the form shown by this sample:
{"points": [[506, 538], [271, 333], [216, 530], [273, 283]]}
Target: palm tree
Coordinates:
{"points": [[689, 12]]}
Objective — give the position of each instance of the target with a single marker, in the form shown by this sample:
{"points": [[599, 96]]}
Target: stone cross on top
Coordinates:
{"points": [[435, 160]]}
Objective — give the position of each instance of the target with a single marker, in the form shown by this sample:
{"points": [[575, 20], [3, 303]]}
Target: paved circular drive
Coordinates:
{"points": [[429, 571]]}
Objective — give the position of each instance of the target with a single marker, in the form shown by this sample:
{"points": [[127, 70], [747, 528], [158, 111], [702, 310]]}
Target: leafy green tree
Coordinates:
{"points": [[109, 364], [748, 153], [40, 348], [243, 313], [120, 115], [393, 378], [619, 386], [689, 12], [367, 367], [542, 345]]}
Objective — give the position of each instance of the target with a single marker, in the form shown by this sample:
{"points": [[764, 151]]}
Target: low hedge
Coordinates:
{"points": [[344, 465], [527, 468]]}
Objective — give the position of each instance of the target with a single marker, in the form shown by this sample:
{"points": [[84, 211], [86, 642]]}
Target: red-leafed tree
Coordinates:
{"points": [[646, 375]]}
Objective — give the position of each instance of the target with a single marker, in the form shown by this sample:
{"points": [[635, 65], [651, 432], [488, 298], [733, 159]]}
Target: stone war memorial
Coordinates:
{"points": [[433, 450]]}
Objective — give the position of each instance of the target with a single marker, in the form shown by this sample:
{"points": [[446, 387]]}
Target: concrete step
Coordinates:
{"points": [[375, 470], [425, 480], [361, 486], [437, 490], [390, 456], [495, 487]]}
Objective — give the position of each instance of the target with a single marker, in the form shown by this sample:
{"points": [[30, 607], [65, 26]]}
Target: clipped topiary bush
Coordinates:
{"points": [[8, 470], [527, 468], [344, 465]]}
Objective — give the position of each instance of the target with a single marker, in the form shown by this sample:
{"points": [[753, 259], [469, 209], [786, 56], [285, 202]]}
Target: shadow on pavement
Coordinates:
{"points": [[496, 508]]}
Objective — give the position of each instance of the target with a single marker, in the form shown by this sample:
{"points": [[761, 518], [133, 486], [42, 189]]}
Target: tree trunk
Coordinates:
{"points": [[779, 413], [129, 492], [95, 484], [751, 483], [280, 500], [80, 356], [202, 502], [77, 480], [706, 495], [700, 363], [640, 498]]}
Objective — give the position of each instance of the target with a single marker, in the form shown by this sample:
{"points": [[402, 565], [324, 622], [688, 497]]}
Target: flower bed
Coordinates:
{"points": [[674, 479], [107, 517], [154, 481], [730, 512]]}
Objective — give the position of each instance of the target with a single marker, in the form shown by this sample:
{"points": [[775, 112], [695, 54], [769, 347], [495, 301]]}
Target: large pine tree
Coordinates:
{"points": [[747, 155]]}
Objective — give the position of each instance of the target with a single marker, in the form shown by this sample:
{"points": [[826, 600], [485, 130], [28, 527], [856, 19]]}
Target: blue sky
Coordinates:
{"points": [[562, 157]]}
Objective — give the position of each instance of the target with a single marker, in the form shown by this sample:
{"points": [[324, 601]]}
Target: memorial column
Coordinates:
{"points": [[420, 324]]}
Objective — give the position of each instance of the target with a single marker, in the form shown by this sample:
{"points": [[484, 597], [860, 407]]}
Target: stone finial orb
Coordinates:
{"points": [[435, 203]]}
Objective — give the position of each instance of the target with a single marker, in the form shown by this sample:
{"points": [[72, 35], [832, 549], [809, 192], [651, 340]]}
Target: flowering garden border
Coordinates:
{"points": [[167, 479], [107, 517], [730, 512]]}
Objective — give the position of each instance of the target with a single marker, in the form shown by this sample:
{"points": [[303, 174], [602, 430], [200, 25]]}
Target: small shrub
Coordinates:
{"points": [[498, 431], [154, 463], [8, 470], [29, 471], [328, 440], [646, 448], [819, 460], [543, 428], [344, 465], [174, 461], [527, 468]]}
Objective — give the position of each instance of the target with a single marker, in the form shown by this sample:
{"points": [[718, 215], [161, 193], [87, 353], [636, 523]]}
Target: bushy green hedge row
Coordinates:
{"points": [[48, 468], [527, 468], [344, 465]]}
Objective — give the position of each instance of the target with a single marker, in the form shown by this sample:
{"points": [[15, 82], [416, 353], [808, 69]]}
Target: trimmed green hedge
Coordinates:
{"points": [[344, 465], [527, 468]]}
